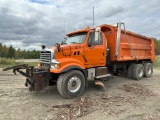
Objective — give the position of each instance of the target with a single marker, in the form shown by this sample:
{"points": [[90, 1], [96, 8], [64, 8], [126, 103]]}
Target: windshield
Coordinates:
{"points": [[76, 38]]}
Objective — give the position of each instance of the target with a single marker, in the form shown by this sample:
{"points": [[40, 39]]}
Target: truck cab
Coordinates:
{"points": [[83, 49]]}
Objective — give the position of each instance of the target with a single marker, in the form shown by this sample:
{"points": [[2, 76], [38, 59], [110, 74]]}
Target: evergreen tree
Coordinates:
{"points": [[157, 46], [11, 52], [1, 49]]}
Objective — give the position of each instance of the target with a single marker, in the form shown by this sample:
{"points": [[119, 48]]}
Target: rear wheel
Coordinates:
{"points": [[130, 71], [138, 71], [148, 69], [71, 84]]}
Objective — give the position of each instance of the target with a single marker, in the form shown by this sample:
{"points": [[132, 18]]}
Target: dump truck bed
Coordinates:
{"points": [[131, 46]]}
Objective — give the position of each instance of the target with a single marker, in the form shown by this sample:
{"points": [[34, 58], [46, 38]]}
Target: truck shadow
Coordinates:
{"points": [[90, 90]]}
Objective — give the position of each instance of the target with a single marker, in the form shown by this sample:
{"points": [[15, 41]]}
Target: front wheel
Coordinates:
{"points": [[71, 84]]}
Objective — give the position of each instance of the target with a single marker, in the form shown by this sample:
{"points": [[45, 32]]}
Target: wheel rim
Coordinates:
{"points": [[140, 72], [149, 70], [74, 84]]}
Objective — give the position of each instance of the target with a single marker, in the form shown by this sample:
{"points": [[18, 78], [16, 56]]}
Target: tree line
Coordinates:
{"points": [[11, 52], [157, 46]]}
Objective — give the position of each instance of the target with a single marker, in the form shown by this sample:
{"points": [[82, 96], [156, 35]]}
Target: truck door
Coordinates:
{"points": [[95, 51]]}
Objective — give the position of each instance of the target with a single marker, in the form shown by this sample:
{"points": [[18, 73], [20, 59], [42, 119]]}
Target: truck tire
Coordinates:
{"points": [[130, 71], [71, 84], [59, 86], [138, 71], [148, 69]]}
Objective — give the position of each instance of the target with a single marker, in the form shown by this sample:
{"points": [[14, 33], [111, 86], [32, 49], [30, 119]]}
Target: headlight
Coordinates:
{"points": [[55, 65]]}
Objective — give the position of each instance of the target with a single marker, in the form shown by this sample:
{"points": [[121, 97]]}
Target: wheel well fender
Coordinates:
{"points": [[74, 67]]}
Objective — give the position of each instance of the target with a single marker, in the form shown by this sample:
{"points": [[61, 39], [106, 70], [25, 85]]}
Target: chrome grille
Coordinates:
{"points": [[45, 57]]}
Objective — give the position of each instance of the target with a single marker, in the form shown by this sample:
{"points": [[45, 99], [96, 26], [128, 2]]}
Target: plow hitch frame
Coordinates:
{"points": [[37, 79]]}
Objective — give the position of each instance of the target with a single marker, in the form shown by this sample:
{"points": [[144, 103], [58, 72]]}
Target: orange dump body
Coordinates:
{"points": [[131, 46]]}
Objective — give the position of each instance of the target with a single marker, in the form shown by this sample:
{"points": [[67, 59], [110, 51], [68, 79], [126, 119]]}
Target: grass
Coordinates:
{"points": [[156, 63], [6, 62]]}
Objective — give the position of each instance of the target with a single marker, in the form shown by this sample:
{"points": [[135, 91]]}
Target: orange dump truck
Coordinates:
{"points": [[90, 55]]}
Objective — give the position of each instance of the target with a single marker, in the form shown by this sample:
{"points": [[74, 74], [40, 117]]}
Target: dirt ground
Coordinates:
{"points": [[122, 99]]}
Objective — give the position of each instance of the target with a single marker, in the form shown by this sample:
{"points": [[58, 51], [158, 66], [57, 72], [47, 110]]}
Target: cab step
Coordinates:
{"points": [[102, 76]]}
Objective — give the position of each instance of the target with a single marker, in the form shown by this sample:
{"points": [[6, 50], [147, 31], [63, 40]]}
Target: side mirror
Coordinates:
{"points": [[57, 45], [97, 33]]}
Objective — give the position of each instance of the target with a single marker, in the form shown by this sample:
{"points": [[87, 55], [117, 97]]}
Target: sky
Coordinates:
{"points": [[27, 24]]}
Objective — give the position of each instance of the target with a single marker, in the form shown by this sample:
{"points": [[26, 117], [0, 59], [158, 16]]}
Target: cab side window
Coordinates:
{"points": [[92, 41]]}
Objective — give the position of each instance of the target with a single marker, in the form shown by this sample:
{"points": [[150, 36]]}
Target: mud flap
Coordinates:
{"points": [[100, 83]]}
